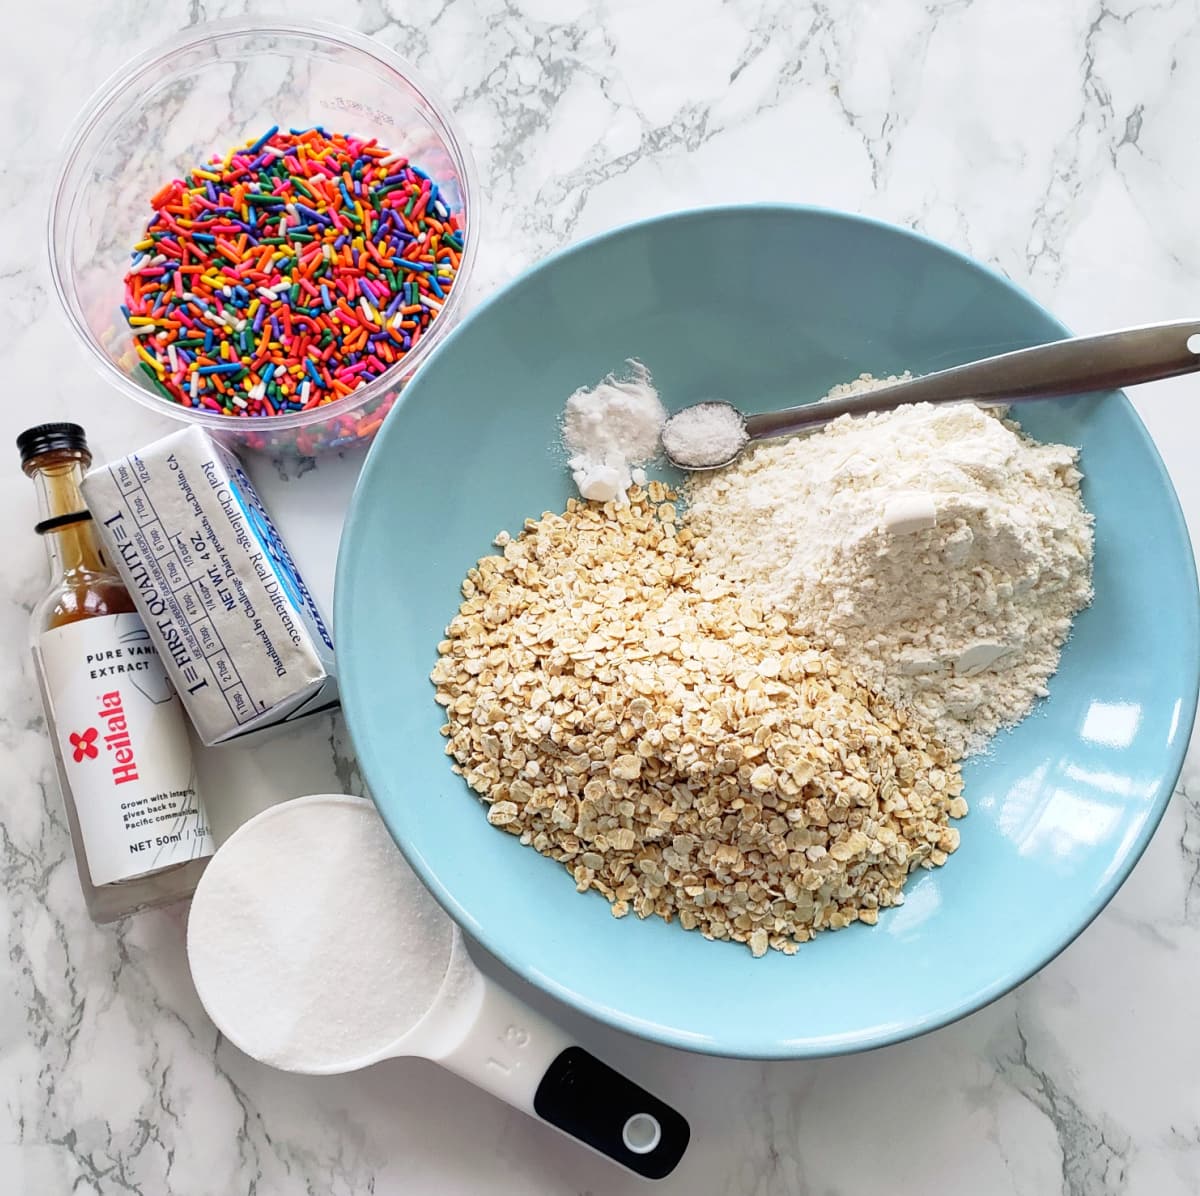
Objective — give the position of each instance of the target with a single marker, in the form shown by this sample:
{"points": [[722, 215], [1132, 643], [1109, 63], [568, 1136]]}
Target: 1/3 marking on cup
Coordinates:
{"points": [[512, 1036]]}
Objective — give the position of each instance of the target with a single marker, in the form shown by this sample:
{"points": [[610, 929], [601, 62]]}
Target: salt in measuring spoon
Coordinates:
{"points": [[711, 435], [275, 974]]}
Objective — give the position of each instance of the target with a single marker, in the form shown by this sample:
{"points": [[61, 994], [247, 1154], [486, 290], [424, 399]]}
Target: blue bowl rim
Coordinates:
{"points": [[847, 1043]]}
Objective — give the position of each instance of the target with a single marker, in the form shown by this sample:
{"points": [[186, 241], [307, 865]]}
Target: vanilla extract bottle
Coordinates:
{"points": [[117, 728]]}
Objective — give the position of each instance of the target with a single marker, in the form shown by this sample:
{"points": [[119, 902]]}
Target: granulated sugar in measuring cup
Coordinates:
{"points": [[315, 948]]}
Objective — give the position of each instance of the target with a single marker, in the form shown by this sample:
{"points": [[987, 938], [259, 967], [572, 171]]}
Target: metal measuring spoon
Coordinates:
{"points": [[469, 1025], [712, 434]]}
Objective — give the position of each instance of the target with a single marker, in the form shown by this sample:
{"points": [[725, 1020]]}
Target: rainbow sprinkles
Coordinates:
{"points": [[288, 273]]}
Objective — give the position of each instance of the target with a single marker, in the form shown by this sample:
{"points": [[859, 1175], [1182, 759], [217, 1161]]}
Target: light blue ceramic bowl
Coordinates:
{"points": [[764, 306]]}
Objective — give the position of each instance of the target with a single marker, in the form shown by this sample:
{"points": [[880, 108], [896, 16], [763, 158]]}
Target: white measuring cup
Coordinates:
{"points": [[286, 964]]}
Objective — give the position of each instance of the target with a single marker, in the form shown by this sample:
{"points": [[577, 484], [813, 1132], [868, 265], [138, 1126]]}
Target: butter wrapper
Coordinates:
{"points": [[233, 621]]}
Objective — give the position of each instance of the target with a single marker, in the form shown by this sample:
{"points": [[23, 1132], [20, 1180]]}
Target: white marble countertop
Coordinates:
{"points": [[1053, 141]]}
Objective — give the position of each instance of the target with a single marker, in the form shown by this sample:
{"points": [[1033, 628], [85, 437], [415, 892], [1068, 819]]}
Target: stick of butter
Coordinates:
{"points": [[233, 621]]}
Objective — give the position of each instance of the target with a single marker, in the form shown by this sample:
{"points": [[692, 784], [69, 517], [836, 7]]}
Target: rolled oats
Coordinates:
{"points": [[679, 749]]}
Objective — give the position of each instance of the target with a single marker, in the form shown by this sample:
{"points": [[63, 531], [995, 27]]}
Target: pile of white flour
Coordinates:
{"points": [[940, 552]]}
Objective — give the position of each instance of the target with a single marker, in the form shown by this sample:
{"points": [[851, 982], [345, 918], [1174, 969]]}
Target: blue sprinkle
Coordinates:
{"points": [[257, 146], [313, 214]]}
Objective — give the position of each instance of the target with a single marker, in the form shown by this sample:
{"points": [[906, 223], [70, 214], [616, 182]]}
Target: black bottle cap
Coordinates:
{"points": [[48, 438]]}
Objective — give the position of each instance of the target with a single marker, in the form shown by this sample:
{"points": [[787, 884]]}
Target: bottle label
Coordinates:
{"points": [[123, 744]]}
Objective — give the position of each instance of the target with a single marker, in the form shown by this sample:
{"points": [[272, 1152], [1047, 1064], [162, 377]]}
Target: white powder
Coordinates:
{"points": [[938, 550], [311, 941], [609, 430], [704, 435]]}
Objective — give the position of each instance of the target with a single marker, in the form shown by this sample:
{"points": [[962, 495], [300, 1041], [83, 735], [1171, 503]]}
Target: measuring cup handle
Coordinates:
{"points": [[526, 1060]]}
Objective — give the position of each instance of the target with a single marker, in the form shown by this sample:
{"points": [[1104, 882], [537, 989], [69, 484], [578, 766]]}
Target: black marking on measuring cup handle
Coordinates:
{"points": [[588, 1100]]}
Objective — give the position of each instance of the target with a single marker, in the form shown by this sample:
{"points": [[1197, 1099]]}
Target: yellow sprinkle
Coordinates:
{"points": [[152, 362], [207, 174], [143, 320]]}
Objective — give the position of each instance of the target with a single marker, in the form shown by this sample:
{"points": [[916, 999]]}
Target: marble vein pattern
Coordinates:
{"points": [[1052, 139]]}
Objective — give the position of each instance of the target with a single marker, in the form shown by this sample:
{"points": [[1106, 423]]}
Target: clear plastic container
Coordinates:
{"points": [[203, 92]]}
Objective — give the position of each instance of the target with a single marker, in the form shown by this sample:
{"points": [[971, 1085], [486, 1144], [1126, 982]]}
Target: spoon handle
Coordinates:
{"points": [[1066, 367], [491, 1038]]}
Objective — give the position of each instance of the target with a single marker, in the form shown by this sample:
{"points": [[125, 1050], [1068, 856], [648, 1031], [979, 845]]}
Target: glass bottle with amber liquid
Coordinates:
{"points": [[118, 730]]}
